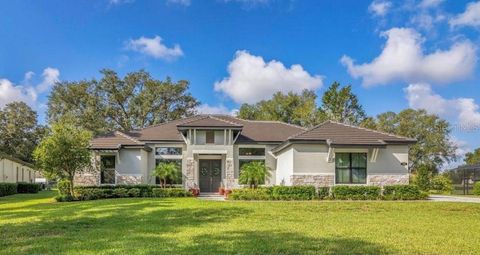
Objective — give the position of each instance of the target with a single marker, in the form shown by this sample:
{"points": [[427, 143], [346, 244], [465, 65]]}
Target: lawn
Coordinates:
{"points": [[35, 224]]}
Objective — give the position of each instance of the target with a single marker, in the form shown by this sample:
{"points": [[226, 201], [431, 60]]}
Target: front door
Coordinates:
{"points": [[210, 175]]}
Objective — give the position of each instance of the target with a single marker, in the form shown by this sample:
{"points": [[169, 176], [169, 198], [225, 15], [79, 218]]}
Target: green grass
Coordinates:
{"points": [[35, 224]]}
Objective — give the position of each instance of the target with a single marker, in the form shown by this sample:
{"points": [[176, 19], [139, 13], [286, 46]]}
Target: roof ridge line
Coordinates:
{"points": [[371, 130], [190, 121], [227, 121], [128, 137], [166, 122], [270, 121], [307, 130]]}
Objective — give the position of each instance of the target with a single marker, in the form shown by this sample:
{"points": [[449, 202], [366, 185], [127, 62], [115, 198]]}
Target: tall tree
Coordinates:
{"points": [[64, 151], [340, 104], [19, 130], [472, 158], [136, 101], [299, 109], [433, 148]]}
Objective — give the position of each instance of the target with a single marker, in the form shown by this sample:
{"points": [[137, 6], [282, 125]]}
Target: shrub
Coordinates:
{"points": [[64, 187], [7, 189], [403, 192], [120, 192], [170, 192], [293, 192], [476, 188], [356, 192], [23, 187], [251, 194], [64, 198], [441, 184], [323, 192], [423, 177], [134, 192]]}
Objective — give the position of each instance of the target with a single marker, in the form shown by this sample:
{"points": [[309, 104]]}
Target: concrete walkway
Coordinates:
{"points": [[211, 197], [460, 199]]}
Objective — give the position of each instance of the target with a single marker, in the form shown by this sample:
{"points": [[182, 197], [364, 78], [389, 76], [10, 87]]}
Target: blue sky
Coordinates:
{"points": [[420, 54]]}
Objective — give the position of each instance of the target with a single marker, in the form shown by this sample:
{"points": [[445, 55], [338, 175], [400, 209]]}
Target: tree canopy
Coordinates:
{"points": [[19, 130], [64, 152], [472, 158], [112, 103], [338, 104], [434, 146]]}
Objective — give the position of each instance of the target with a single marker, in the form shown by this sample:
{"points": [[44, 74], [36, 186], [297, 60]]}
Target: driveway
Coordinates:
{"points": [[461, 199]]}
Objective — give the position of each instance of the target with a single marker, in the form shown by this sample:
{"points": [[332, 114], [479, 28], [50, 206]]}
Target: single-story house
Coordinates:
{"points": [[15, 170], [211, 149]]}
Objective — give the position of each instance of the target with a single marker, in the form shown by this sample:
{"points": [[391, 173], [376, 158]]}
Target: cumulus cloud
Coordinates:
{"points": [[180, 2], [251, 79], [464, 110], [219, 109], [430, 3], [10, 92], [471, 16], [379, 8], [403, 59], [154, 47]]}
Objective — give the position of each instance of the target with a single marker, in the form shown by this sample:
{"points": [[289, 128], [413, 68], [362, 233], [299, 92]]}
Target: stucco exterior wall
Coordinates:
{"points": [[11, 171], [310, 165]]}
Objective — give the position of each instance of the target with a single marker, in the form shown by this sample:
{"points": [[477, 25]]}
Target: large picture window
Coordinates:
{"points": [[351, 168], [168, 151], [107, 173], [178, 176]]}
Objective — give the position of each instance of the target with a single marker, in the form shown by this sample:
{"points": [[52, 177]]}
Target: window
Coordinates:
{"points": [[178, 177], [242, 162], [251, 151], [168, 151], [107, 171], [210, 136], [351, 168]]}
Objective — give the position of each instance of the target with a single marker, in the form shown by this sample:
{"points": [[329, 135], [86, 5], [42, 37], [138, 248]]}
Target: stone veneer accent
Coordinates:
{"points": [[229, 174], [87, 179], [382, 180], [129, 179], [190, 174], [315, 180]]}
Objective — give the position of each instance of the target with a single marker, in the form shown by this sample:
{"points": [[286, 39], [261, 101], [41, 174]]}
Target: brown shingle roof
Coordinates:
{"points": [[164, 132], [114, 141], [209, 121], [343, 134]]}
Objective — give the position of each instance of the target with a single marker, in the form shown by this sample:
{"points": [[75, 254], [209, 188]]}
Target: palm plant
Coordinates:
{"points": [[253, 173], [165, 171]]}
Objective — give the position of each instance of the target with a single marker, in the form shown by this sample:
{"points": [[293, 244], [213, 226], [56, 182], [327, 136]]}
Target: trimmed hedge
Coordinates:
{"points": [[7, 189], [24, 187], [476, 188], [403, 192], [356, 192], [341, 192], [293, 192], [120, 191]]}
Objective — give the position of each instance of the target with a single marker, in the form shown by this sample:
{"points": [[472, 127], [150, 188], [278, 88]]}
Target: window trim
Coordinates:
{"points": [[351, 168], [212, 132]]}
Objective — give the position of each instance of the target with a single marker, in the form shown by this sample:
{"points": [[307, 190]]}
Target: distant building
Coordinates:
{"points": [[15, 170]]}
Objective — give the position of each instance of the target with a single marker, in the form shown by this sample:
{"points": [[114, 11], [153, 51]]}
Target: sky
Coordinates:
{"points": [[420, 54]]}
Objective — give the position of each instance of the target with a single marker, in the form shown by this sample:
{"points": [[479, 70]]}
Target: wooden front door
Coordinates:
{"points": [[210, 175]]}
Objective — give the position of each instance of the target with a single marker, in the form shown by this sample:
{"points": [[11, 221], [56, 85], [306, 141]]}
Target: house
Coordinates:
{"points": [[15, 170], [211, 149]]}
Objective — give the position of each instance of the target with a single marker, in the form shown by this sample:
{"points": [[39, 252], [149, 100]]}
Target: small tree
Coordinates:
{"points": [[64, 152], [253, 173], [165, 171], [423, 177]]}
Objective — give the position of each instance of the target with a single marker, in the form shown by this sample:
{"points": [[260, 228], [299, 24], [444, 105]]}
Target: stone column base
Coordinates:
{"points": [[382, 180], [315, 180], [129, 179]]}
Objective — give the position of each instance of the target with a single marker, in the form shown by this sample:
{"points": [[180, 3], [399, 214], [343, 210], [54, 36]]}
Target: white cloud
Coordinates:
{"points": [[10, 92], [379, 8], [50, 76], [155, 48], [220, 109], [403, 59], [252, 79], [180, 2], [429, 3], [463, 110], [471, 16], [119, 2]]}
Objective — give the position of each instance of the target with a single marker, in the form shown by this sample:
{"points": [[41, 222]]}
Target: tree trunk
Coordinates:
{"points": [[70, 179]]}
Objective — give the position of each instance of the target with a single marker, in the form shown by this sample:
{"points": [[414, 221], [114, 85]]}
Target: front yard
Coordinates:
{"points": [[35, 224]]}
